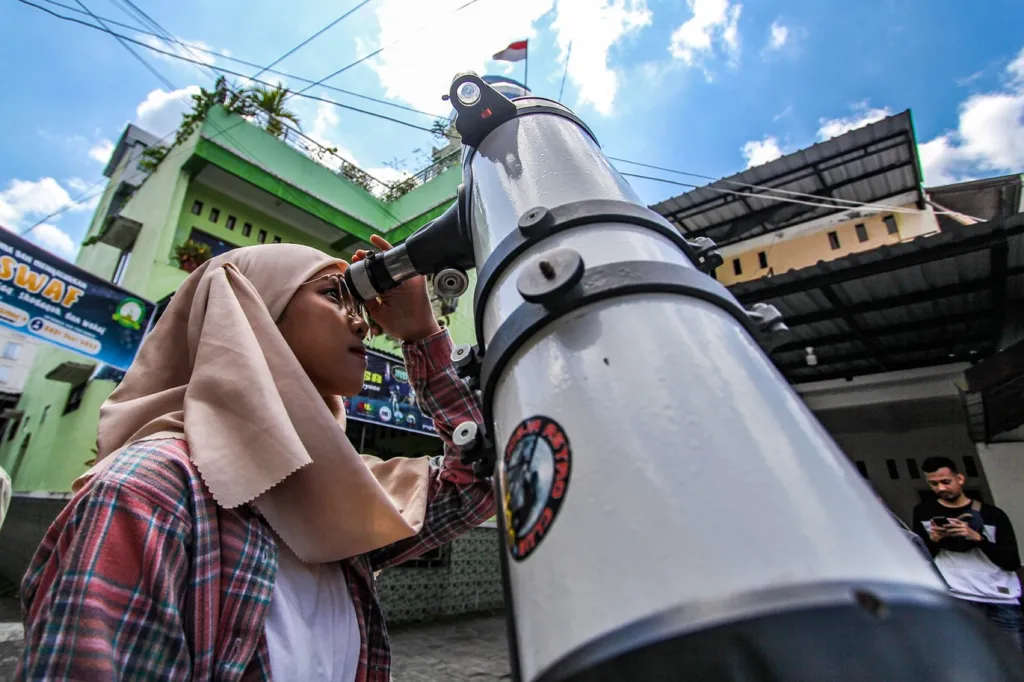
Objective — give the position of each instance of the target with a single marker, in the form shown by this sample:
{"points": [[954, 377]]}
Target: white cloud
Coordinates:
{"points": [[160, 113], [758, 152], [419, 70], [24, 199], [55, 240], [865, 115], [779, 35], [101, 151], [712, 20], [77, 184], [421, 67], [989, 136], [593, 27], [24, 202], [189, 49]]}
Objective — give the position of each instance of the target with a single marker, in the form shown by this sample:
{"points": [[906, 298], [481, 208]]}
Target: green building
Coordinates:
{"points": [[229, 184]]}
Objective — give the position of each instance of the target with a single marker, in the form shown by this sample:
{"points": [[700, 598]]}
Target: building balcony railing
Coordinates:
{"points": [[328, 158]]}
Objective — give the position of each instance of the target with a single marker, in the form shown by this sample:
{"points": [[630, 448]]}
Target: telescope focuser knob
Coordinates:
{"points": [[548, 277], [468, 362], [706, 251], [474, 447]]}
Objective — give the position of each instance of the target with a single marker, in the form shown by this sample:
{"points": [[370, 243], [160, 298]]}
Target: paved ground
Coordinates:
{"points": [[466, 650]]}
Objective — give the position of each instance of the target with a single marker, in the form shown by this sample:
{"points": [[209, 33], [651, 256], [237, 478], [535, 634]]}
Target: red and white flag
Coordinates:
{"points": [[516, 52]]}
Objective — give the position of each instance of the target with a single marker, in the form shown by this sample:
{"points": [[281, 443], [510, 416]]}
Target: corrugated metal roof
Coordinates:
{"points": [[932, 300], [864, 165]]}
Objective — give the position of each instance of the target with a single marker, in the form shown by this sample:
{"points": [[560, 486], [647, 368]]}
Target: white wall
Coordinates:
{"points": [[1004, 468], [875, 447]]}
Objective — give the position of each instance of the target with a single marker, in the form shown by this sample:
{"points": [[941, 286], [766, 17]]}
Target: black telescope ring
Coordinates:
{"points": [[564, 217], [601, 283]]}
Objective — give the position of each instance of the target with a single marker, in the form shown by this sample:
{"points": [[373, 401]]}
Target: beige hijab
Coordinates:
{"points": [[216, 371]]}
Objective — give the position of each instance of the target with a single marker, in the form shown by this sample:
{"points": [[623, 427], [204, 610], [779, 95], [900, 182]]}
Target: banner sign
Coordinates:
{"points": [[61, 304], [387, 397]]}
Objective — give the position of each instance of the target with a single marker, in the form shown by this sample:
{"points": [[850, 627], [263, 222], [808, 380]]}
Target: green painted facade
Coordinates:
{"points": [[48, 449]]}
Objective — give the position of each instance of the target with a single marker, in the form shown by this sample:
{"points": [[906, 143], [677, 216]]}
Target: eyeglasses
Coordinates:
{"points": [[343, 296]]}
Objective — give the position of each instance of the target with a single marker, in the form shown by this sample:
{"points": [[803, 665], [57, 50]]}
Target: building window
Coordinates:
{"points": [[912, 468], [862, 231], [14, 429], [862, 467], [762, 259], [894, 472], [262, 237], [12, 350], [890, 224], [246, 229], [75, 396], [833, 240], [217, 246], [42, 419], [214, 215], [277, 240], [970, 468], [230, 222], [737, 268], [122, 265], [5, 375], [197, 207]]}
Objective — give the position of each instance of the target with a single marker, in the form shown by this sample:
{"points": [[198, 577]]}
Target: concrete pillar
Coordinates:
{"points": [[1003, 464]]}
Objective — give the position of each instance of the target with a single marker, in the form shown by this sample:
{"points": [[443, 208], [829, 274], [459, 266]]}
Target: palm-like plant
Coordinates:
{"points": [[271, 103]]}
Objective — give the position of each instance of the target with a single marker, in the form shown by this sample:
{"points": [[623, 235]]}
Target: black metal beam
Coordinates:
{"points": [[774, 289], [799, 174], [786, 213], [889, 330], [943, 347], [869, 345], [997, 257], [894, 366], [913, 298]]}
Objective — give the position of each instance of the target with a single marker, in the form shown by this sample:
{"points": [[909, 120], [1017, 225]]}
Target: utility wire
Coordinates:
{"points": [[890, 209], [851, 203], [218, 55], [149, 67], [66, 207], [239, 74], [381, 49], [311, 38]]}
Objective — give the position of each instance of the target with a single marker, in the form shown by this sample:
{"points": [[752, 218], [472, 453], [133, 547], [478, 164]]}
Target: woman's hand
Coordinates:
{"points": [[404, 312]]}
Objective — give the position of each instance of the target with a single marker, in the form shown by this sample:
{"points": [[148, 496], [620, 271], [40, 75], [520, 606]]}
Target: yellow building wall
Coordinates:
{"points": [[803, 251]]}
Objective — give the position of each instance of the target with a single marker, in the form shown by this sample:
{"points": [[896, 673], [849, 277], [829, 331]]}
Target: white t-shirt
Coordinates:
{"points": [[312, 631]]}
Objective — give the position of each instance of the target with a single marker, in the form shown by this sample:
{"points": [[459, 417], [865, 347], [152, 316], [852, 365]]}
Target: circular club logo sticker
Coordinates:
{"points": [[537, 464]]}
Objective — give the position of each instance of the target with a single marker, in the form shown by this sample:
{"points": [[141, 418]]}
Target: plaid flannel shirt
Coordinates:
{"points": [[143, 577]]}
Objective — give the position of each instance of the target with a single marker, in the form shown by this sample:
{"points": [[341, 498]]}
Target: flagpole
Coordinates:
{"points": [[526, 76], [568, 54]]}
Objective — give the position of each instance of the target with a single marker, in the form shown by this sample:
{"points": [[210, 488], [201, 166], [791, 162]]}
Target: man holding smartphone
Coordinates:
{"points": [[974, 546]]}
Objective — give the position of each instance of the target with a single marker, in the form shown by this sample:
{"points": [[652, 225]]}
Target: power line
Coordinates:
{"points": [[311, 38], [66, 207], [381, 49], [219, 55], [890, 209], [852, 203], [239, 74], [135, 54]]}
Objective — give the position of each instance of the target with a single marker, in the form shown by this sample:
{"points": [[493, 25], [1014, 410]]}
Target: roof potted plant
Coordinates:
{"points": [[192, 254]]}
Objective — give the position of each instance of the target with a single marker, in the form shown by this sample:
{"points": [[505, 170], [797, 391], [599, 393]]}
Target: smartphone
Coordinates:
{"points": [[940, 521]]}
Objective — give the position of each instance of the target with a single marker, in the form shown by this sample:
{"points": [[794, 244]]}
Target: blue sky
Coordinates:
{"points": [[708, 86]]}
